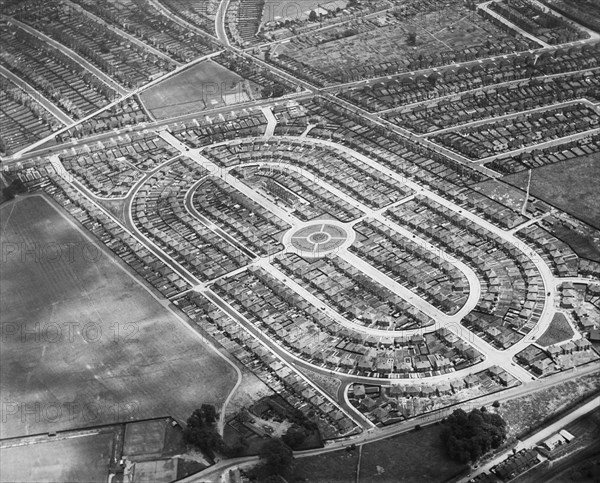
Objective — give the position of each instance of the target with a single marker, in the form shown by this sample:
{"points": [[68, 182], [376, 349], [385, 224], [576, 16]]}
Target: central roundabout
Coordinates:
{"points": [[318, 238]]}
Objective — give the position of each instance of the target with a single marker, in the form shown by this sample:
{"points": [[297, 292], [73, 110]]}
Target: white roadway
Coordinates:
{"points": [[510, 115], [504, 357], [220, 20], [52, 136], [493, 356], [534, 147], [132, 230], [549, 281]]}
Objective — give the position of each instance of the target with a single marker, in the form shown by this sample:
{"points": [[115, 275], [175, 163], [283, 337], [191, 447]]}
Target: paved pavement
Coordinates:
{"points": [[17, 157], [510, 115], [179, 20], [73, 55], [220, 20], [493, 356], [288, 359], [592, 33], [535, 147], [122, 33], [34, 93], [485, 7]]}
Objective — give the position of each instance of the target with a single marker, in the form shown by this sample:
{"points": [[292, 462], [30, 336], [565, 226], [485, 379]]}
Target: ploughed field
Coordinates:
{"points": [[83, 342]]}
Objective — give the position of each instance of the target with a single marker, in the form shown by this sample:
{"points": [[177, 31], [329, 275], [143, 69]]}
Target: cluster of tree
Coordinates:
{"points": [[276, 460], [412, 37], [201, 432], [13, 189], [468, 436], [295, 436]]}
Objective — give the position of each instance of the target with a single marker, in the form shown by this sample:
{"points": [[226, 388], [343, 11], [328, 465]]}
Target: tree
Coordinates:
{"points": [[209, 413], [295, 436], [496, 404], [277, 457], [202, 433], [312, 16], [467, 437], [16, 187], [412, 37]]}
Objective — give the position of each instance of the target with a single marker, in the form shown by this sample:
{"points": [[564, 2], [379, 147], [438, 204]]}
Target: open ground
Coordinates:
{"points": [[83, 342], [203, 86], [408, 457], [526, 413], [84, 458], [570, 185], [559, 331]]}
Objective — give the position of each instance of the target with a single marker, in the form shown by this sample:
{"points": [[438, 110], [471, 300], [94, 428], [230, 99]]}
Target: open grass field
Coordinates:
{"points": [[84, 459], [570, 185], [410, 457], [558, 331], [275, 10], [83, 342], [339, 466], [206, 85], [416, 457]]}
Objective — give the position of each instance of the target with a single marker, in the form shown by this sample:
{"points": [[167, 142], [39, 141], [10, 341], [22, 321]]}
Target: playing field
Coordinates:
{"points": [[83, 343], [206, 85], [570, 185], [84, 458], [410, 457]]}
